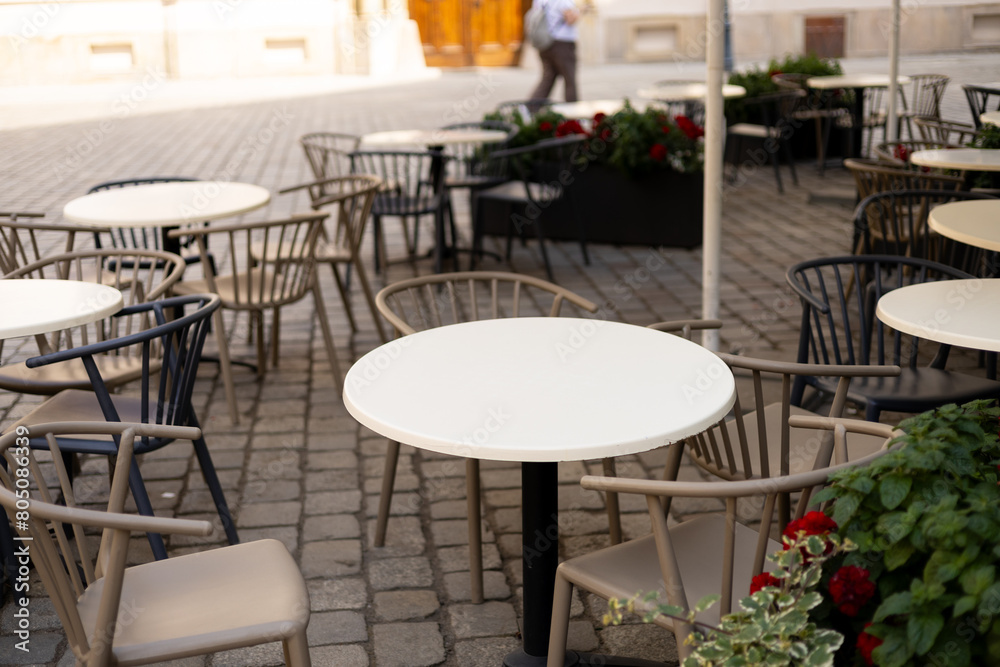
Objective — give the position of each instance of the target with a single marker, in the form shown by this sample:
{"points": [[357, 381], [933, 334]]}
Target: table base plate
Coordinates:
{"points": [[519, 658]]}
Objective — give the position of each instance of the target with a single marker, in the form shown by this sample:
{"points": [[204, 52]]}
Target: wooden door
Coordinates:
{"points": [[459, 33]]}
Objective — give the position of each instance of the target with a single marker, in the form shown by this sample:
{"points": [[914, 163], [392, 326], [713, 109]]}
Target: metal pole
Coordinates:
{"points": [[714, 137], [892, 119]]}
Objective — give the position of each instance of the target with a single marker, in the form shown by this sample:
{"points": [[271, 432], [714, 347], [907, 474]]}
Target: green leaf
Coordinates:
{"points": [[893, 489], [977, 579], [898, 555], [964, 605], [922, 629], [845, 508], [942, 567], [895, 651], [706, 602], [897, 603]]}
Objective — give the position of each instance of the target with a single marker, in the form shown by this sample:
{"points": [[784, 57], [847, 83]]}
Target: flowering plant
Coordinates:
{"points": [[634, 142]]}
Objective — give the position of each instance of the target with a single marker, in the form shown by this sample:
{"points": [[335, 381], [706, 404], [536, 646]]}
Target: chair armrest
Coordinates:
{"points": [[797, 368]]}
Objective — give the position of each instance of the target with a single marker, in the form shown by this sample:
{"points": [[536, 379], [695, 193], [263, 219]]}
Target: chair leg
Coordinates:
{"points": [[541, 246], [324, 325], [773, 157], [225, 366], [344, 296], [261, 343], [385, 498], [296, 650], [366, 288], [145, 507], [611, 500], [872, 412], [275, 336], [791, 160], [472, 493], [211, 478], [561, 599]]}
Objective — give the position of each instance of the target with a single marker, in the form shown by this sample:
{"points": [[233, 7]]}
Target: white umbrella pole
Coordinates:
{"points": [[714, 136], [892, 120]]}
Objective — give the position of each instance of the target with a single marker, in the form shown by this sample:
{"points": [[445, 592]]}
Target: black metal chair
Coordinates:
{"points": [[979, 100], [543, 171], [896, 223], [412, 189], [163, 398], [839, 295], [774, 131], [928, 90]]}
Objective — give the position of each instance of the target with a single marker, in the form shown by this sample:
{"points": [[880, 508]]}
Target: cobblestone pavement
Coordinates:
{"points": [[299, 469]]}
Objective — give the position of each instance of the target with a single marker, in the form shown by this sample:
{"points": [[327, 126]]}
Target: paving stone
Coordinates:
{"points": [[646, 641], [346, 655], [448, 533], [488, 619], [402, 503], [336, 627], [332, 502], [458, 586], [484, 652], [291, 441], [335, 558], [337, 593], [331, 480], [330, 527], [404, 536], [390, 573], [287, 535], [334, 459], [407, 644], [373, 486], [270, 514], [581, 636], [405, 605], [275, 464], [269, 490], [452, 559], [263, 655]]}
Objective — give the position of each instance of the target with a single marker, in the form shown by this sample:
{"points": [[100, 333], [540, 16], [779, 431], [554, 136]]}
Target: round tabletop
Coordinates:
{"points": [[980, 159], [590, 108], [687, 91], [975, 222], [853, 81], [539, 389], [36, 306], [166, 204], [965, 313], [432, 137], [990, 117]]}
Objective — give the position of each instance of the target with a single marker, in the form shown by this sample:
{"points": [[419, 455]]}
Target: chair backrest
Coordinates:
{"points": [[896, 223], [897, 153], [329, 153], [523, 109], [60, 549], [268, 264], [684, 328], [134, 237], [946, 131], [353, 197], [140, 275], [871, 177], [979, 100], [839, 295], [432, 301], [546, 164], [776, 108], [411, 186], [928, 89], [22, 240], [731, 493], [472, 159], [168, 334]]}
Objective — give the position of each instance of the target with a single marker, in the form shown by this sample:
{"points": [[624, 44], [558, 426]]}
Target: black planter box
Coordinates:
{"points": [[659, 209]]}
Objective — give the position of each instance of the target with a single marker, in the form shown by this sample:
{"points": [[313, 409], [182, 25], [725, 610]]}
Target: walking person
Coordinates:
{"points": [[560, 58]]}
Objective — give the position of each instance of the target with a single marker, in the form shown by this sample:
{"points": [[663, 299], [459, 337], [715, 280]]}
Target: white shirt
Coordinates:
{"points": [[558, 27]]}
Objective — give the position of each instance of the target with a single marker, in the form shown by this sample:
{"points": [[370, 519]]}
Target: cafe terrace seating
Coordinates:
{"points": [[189, 605]]}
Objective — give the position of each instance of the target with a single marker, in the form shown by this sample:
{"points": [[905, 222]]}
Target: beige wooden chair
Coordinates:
{"points": [[270, 264], [897, 153], [23, 241], [329, 153], [141, 276], [708, 554], [437, 300], [352, 198], [200, 603], [871, 177], [946, 131]]}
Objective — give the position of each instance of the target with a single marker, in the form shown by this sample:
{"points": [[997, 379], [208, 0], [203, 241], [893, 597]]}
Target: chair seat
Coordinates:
{"points": [[751, 130], [803, 444], [917, 390], [393, 204], [625, 569], [235, 291], [516, 191], [53, 378], [471, 181], [183, 606]]}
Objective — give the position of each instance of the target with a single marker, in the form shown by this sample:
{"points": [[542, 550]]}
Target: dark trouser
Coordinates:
{"points": [[558, 60]]}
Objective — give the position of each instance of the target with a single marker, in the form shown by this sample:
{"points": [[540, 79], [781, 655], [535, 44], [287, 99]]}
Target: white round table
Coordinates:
{"points": [[166, 204], [992, 117], [36, 306], [431, 138], [687, 91], [539, 391], [975, 222], [965, 313], [975, 159], [857, 83], [587, 109]]}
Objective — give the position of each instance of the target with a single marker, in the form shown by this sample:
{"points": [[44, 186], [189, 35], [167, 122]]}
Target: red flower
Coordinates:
{"points": [[568, 127], [545, 126], [901, 152], [665, 129], [689, 128], [599, 117], [658, 152], [606, 134], [773, 72], [866, 644], [850, 589], [763, 579], [813, 523]]}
